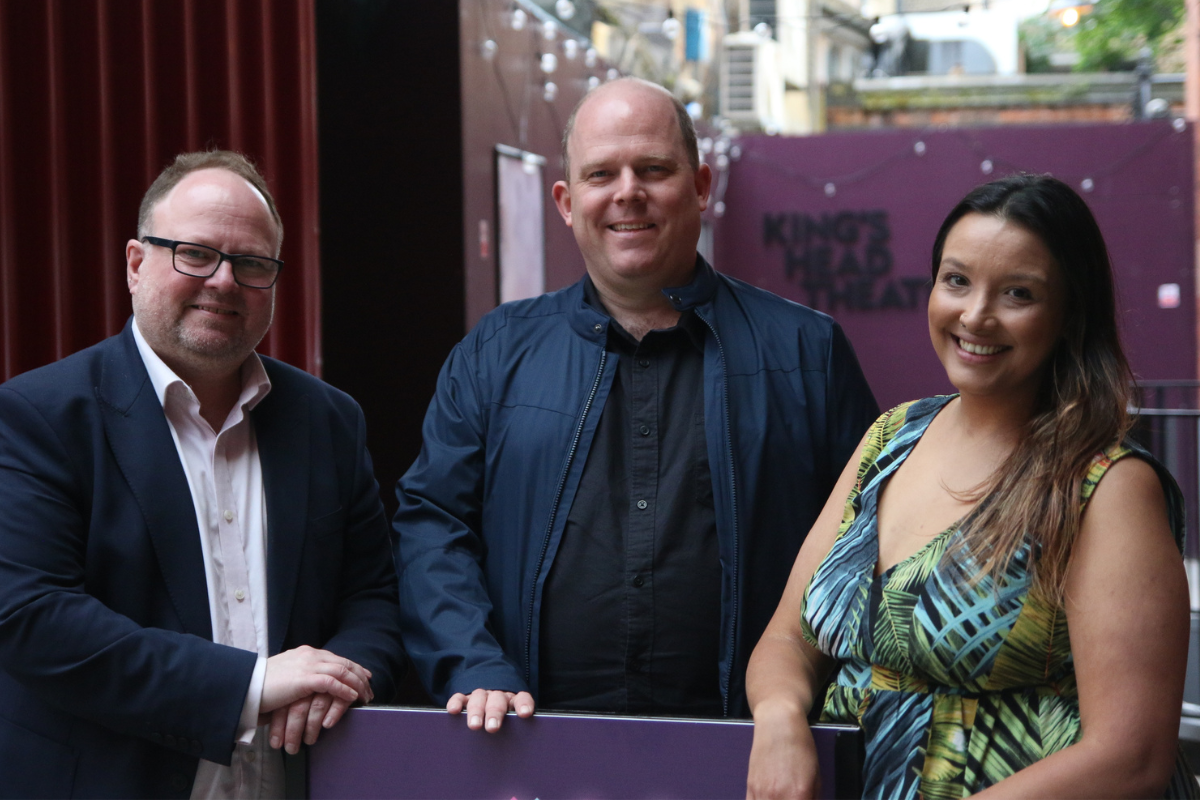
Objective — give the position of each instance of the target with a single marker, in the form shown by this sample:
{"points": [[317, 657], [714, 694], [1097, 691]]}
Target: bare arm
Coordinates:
{"points": [[1127, 610], [785, 670]]}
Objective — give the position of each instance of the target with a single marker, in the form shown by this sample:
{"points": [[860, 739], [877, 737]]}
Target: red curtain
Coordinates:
{"points": [[96, 97]]}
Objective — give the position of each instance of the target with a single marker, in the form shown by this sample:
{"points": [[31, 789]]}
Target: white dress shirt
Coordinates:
{"points": [[225, 477]]}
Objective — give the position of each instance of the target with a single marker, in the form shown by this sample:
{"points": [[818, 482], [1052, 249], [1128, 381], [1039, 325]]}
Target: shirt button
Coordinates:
{"points": [[643, 362], [645, 429], [675, 299], [639, 581], [240, 594], [642, 504], [597, 327], [228, 515], [250, 756]]}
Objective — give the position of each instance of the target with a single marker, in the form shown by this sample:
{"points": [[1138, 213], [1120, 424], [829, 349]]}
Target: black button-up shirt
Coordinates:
{"points": [[631, 610]]}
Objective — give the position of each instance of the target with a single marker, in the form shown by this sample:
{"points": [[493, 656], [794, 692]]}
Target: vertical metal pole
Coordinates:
{"points": [[1141, 95], [813, 21]]}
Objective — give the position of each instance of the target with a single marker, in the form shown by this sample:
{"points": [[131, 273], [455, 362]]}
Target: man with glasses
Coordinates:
{"points": [[192, 541]]}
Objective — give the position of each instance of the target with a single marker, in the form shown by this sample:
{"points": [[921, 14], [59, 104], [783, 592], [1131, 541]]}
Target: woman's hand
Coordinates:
{"points": [[783, 760], [785, 671]]}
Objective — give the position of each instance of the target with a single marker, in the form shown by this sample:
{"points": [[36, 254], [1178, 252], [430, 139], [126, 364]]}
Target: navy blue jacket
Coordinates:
{"points": [[110, 683], [506, 437]]}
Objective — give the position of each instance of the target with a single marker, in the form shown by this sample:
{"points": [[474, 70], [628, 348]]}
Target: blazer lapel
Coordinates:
{"points": [[282, 431], [141, 443]]}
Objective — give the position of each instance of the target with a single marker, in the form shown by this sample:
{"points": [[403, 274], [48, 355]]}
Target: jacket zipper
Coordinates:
{"points": [[733, 506], [562, 482]]}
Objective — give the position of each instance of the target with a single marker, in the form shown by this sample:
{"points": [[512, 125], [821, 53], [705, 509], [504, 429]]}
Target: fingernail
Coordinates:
{"points": [[493, 724], [275, 742], [475, 721], [525, 709]]}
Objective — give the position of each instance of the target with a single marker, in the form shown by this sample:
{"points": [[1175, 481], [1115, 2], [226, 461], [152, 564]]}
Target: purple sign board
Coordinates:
{"points": [[427, 753], [844, 223]]}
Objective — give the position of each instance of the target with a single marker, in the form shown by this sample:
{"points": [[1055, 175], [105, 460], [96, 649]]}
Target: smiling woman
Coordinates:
{"points": [[996, 582]]}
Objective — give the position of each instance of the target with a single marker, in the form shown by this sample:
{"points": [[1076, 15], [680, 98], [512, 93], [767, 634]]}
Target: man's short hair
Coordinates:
{"points": [[187, 163], [687, 129]]}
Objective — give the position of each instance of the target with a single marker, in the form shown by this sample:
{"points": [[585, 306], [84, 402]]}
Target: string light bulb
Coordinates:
{"points": [[589, 58], [549, 30], [549, 91], [549, 63], [519, 18], [570, 49], [593, 82], [488, 49], [671, 28], [565, 9]]}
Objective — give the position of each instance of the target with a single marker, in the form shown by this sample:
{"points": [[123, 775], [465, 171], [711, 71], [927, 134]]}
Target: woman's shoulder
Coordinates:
{"points": [[1127, 473], [896, 430], [910, 413]]}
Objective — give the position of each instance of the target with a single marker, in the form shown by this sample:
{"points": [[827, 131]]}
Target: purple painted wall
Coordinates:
{"points": [[844, 223]]}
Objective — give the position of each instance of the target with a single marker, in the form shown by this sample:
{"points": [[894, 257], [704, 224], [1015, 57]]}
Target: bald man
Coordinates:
{"points": [[195, 567], [616, 477]]}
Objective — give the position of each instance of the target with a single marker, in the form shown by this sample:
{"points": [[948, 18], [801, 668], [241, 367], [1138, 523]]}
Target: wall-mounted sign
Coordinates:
{"points": [[841, 260]]}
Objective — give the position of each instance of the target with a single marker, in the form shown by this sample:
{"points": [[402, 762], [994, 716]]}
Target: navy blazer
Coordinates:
{"points": [[110, 683]]}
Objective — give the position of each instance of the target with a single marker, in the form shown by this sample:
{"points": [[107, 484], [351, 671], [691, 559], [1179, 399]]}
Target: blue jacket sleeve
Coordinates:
{"points": [[851, 404], [440, 547], [67, 647]]}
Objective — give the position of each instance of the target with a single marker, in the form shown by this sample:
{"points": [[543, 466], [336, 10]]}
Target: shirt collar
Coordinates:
{"points": [[255, 383]]}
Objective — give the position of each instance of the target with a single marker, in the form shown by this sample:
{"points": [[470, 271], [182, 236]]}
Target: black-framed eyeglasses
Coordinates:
{"points": [[202, 261]]}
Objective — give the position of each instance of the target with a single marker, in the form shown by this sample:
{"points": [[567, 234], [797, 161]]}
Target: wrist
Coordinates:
{"points": [[774, 711]]}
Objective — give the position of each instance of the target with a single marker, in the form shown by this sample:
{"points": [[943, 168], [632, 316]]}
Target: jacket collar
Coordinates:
{"points": [[141, 443], [283, 431], [696, 292], [592, 323]]}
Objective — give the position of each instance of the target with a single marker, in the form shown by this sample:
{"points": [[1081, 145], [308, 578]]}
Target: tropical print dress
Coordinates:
{"points": [[956, 686]]}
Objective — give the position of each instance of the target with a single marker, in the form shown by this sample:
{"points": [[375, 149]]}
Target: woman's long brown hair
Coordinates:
{"points": [[1082, 402]]}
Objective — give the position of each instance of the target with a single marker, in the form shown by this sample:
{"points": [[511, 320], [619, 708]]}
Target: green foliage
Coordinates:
{"points": [[1041, 37], [1110, 37]]}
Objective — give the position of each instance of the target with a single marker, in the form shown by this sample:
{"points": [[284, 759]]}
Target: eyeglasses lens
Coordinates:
{"points": [[201, 262]]}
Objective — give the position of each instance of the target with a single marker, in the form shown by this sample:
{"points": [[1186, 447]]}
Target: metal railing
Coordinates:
{"points": [[1168, 425]]}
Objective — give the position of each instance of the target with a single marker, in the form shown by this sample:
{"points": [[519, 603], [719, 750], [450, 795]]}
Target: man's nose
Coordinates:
{"points": [[629, 187], [223, 278]]}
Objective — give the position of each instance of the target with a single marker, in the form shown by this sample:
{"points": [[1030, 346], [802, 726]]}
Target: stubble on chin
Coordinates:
{"points": [[194, 344]]}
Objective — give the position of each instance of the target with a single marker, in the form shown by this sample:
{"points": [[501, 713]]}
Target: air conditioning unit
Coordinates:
{"points": [[751, 81]]}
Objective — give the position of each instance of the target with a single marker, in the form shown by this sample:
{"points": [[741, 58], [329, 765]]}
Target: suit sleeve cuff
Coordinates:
{"points": [[248, 723]]}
